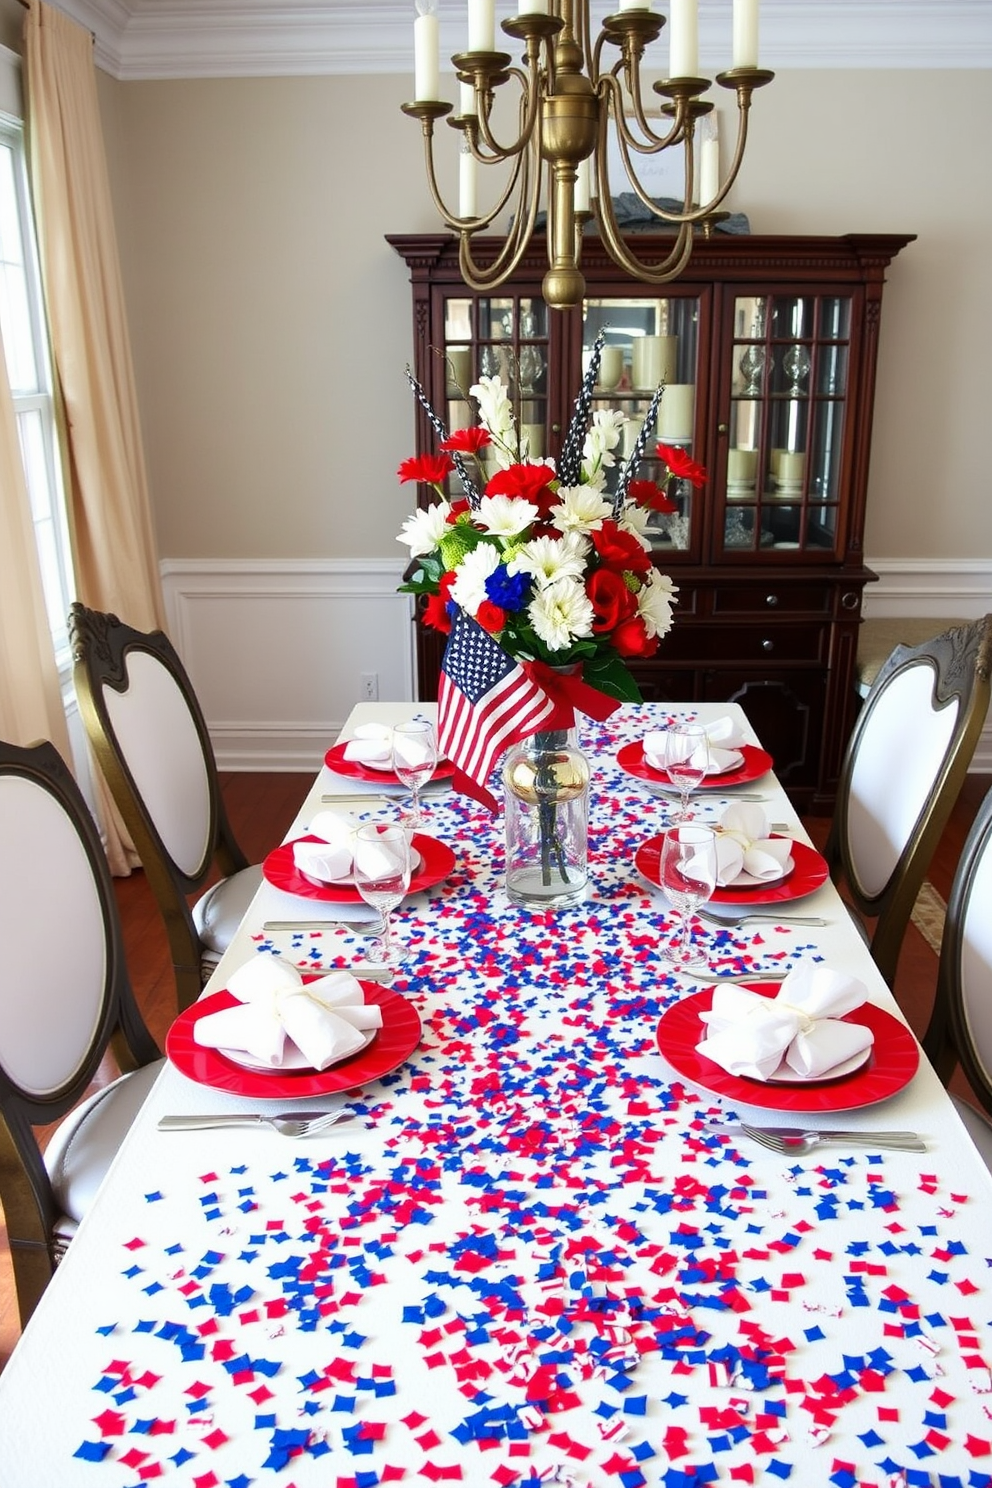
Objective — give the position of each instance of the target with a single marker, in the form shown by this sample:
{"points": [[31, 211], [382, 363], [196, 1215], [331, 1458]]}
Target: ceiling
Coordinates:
{"points": [[261, 38]]}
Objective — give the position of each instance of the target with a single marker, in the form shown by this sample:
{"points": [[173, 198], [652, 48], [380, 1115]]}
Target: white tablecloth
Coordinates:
{"points": [[536, 1254]]}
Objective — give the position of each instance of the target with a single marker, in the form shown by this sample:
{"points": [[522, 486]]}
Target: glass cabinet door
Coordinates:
{"points": [[505, 336], [649, 342], [788, 390]]}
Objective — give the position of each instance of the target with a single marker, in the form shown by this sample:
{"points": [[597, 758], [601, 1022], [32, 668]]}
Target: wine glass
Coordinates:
{"points": [[688, 755], [382, 877], [688, 877], [414, 762]]}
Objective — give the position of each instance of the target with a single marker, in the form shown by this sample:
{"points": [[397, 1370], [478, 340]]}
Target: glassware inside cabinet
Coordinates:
{"points": [[649, 343], [788, 385]]}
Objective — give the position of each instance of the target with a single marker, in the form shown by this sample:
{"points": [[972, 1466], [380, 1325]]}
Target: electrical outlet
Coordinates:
{"points": [[370, 687]]}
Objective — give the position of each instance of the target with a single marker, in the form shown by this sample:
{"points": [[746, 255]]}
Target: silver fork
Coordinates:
{"points": [[294, 1124], [794, 1141], [771, 919]]}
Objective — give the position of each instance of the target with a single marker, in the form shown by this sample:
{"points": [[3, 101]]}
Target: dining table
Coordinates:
{"points": [[538, 1246]]}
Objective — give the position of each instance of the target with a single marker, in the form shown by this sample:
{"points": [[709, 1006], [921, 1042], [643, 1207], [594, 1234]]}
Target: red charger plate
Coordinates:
{"points": [[809, 873], [279, 869], [894, 1060], [393, 1044], [334, 760], [756, 762]]}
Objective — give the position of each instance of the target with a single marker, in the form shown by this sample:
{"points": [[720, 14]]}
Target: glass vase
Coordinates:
{"points": [[546, 791]]}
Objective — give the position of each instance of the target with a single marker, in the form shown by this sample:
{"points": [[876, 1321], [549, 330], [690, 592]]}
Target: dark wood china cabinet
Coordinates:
{"points": [[767, 347]]}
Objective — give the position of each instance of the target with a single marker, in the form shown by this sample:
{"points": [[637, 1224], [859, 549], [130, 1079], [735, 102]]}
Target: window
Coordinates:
{"points": [[22, 321]]}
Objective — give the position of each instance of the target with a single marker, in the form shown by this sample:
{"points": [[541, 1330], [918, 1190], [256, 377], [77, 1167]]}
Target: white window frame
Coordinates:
{"points": [[34, 402]]}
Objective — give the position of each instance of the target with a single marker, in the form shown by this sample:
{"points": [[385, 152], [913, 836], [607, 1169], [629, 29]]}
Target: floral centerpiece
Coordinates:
{"points": [[546, 562]]}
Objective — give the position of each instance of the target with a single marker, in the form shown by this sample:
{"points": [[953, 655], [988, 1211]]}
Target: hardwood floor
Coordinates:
{"points": [[262, 807]]}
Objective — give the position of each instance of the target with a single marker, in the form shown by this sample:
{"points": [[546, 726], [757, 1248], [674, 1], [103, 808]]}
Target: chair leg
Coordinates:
{"points": [[34, 1267]]}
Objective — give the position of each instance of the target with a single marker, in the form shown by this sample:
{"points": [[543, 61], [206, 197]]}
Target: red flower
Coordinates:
{"points": [[431, 469], [531, 482], [631, 638], [491, 617], [456, 509], [436, 609], [681, 464], [436, 614], [620, 550], [647, 493], [610, 598], [468, 441]]}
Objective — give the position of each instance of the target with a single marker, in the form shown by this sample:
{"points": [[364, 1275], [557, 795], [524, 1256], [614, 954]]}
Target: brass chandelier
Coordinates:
{"points": [[570, 89]]}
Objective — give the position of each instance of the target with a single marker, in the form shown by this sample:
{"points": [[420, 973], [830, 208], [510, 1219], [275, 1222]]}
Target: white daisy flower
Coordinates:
{"points": [[505, 516], [469, 587], [579, 509], [634, 519], [425, 528], [561, 614], [548, 559], [655, 602]]}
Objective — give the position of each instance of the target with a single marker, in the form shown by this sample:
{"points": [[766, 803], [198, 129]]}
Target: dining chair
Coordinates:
{"points": [[905, 763], [960, 1028], [151, 742], [65, 996]]}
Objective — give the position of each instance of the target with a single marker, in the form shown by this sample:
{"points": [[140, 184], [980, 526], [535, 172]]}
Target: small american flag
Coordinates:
{"points": [[486, 702]]}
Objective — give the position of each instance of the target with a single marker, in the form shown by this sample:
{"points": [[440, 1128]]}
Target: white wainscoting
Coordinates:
{"points": [[277, 650]]}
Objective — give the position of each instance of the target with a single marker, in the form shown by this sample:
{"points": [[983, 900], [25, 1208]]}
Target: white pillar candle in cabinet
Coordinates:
{"points": [[653, 360], [676, 411]]}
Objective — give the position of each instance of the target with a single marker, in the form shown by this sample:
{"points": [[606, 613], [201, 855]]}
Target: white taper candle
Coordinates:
{"points": [[482, 25], [745, 33], [425, 57], [683, 45]]}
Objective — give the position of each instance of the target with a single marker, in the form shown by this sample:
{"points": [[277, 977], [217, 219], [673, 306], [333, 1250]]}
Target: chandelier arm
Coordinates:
{"points": [[489, 276], [654, 141], [457, 223], [743, 115], [529, 95], [685, 215], [661, 272]]}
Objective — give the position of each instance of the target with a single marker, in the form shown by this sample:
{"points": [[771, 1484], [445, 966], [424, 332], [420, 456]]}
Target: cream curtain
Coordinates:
{"points": [[114, 545], [30, 697]]}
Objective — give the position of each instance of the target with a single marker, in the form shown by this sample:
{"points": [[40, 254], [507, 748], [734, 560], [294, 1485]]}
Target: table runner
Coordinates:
{"points": [[535, 1255]]}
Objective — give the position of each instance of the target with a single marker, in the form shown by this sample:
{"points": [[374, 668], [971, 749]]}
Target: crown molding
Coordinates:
{"points": [[146, 39]]}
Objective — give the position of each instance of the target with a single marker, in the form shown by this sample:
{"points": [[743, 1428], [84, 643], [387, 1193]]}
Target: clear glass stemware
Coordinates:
{"points": [[688, 761], [414, 762], [382, 877], [688, 877]]}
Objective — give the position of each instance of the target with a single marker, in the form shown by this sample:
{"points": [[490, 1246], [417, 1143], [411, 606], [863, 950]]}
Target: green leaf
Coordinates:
{"points": [[608, 673]]}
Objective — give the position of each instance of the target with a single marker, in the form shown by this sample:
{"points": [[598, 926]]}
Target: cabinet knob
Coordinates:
{"points": [[771, 599], [723, 428], [768, 645], [849, 601], [556, 428]]}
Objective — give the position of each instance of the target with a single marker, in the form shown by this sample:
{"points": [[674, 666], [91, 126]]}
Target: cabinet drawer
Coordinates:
{"points": [[771, 643], [772, 598]]}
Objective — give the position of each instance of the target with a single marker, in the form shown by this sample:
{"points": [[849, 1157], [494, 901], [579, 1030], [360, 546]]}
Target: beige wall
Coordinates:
{"points": [[271, 322]]}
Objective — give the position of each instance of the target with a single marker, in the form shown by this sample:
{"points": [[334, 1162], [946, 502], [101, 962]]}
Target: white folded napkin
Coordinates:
{"points": [[751, 1035], [326, 1019], [331, 858], [664, 748], [744, 846], [372, 745]]}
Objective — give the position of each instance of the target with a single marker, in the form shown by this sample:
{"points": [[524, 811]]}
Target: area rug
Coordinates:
{"points": [[928, 915]]}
